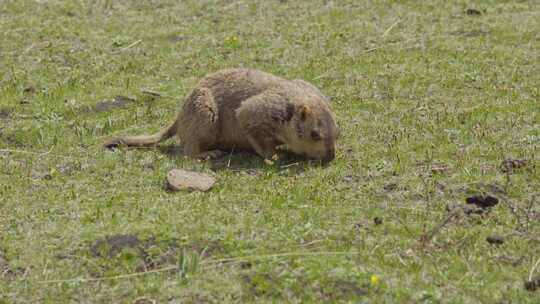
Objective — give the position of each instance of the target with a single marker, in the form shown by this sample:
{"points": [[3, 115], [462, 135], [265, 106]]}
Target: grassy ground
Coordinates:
{"points": [[431, 97]]}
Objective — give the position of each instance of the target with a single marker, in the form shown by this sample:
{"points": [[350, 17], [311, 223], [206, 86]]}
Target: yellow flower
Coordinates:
{"points": [[374, 279]]}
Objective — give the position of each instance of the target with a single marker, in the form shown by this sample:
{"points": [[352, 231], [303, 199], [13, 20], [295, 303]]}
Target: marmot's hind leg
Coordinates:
{"points": [[199, 128]]}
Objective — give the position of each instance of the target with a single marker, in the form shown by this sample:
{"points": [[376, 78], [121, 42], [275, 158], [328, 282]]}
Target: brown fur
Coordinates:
{"points": [[249, 109]]}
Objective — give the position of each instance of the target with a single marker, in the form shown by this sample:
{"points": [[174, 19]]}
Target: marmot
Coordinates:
{"points": [[253, 110]]}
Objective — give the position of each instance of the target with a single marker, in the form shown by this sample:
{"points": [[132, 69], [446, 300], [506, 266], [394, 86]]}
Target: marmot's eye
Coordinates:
{"points": [[315, 135]]}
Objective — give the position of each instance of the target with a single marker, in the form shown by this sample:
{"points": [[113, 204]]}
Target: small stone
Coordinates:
{"points": [[495, 239], [189, 181], [390, 187], [482, 201], [473, 12], [510, 165]]}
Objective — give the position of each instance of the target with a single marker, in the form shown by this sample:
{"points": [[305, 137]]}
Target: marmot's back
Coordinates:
{"points": [[232, 86]]}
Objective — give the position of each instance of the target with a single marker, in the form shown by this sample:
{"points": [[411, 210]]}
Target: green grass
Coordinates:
{"points": [[416, 86]]}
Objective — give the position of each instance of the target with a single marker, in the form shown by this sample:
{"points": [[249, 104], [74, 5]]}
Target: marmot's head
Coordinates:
{"points": [[313, 131]]}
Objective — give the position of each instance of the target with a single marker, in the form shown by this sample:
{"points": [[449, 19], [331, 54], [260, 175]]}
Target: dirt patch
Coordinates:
{"points": [[466, 209], [482, 201], [511, 165], [270, 285], [5, 113], [118, 102], [113, 245], [481, 195], [153, 253]]}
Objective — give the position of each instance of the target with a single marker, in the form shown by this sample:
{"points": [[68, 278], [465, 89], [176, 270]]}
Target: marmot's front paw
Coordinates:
{"points": [[212, 154], [273, 159]]}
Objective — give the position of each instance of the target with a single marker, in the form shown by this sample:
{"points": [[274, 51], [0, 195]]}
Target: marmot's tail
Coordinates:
{"points": [[143, 140]]}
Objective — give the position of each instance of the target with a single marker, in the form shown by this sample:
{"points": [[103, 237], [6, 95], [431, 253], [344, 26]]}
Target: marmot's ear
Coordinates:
{"points": [[304, 111]]}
